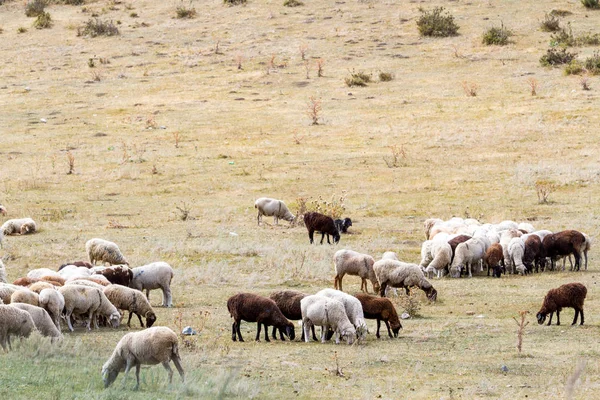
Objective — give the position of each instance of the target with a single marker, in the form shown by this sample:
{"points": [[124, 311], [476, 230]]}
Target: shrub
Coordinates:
{"points": [[386, 76], [358, 79], [563, 38], [21, 29], [496, 36], [292, 3], [560, 13], [551, 23], [436, 23], [592, 64], [185, 12], [95, 27], [588, 39], [594, 4], [35, 7], [234, 2], [574, 68], [74, 2], [557, 56], [43, 21]]}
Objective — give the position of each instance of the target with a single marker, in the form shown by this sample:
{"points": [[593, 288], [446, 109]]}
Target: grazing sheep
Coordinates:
{"points": [[14, 322], [156, 275], [426, 256], [40, 273], [442, 254], [381, 309], [97, 279], [84, 300], [516, 251], [148, 347], [53, 302], [85, 282], [353, 263], [74, 272], [288, 302], [342, 225], [25, 296], [132, 300], [532, 252], [505, 238], [567, 295], [116, 274], [353, 308], [494, 260], [3, 277], [402, 275], [77, 264], [430, 223], [455, 241], [104, 251], [41, 319], [467, 255], [272, 207], [562, 244], [20, 226], [262, 310], [328, 313], [321, 223]]}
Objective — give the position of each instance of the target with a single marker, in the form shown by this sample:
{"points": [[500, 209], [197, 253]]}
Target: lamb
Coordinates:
{"points": [[41, 319], [328, 313], [25, 296], [567, 295], [88, 300], [262, 310], [381, 309], [53, 302], [116, 274], [442, 254], [14, 322], [132, 300], [494, 260], [562, 244], [321, 223], [288, 302], [156, 275], [466, 255], [353, 263], [3, 277], [402, 275], [342, 225], [532, 252], [353, 308], [104, 251], [20, 226], [272, 207], [148, 347]]}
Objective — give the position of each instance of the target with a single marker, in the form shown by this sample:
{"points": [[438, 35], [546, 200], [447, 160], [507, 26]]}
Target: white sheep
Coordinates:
{"points": [[6, 290], [327, 313], [41, 319], [353, 308], [85, 300], [40, 273], [505, 237], [74, 272], [25, 295], [156, 275], [389, 255], [442, 255], [3, 277], [353, 263], [104, 251], [53, 302], [148, 347], [526, 227], [516, 250], [14, 322], [21, 226], [272, 207], [467, 255], [402, 275], [132, 300], [426, 256]]}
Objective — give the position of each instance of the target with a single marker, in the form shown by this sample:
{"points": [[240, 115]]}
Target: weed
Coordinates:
{"points": [[556, 56], [96, 27], [314, 107], [575, 67], [543, 188], [293, 3], [588, 39], [320, 63], [1, 30], [238, 61], [584, 81], [436, 23], [563, 37], [470, 88], [74, 2], [303, 49], [114, 224], [185, 12], [134, 15], [398, 157], [21, 29], [176, 139], [497, 36], [307, 69], [593, 4], [184, 211], [521, 324], [35, 7], [357, 79], [386, 76], [592, 64], [96, 76], [551, 23], [151, 122], [43, 21], [298, 139], [91, 62], [410, 302], [234, 2], [533, 85], [339, 369], [71, 162]]}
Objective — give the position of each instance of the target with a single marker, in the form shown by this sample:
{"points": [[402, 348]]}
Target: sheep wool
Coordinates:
{"points": [[156, 275], [41, 319], [104, 251], [381, 309], [53, 302], [84, 300], [567, 295], [25, 296], [353, 309], [21, 226], [3, 277], [353, 263], [132, 300], [402, 275], [14, 322], [329, 314], [272, 207]]}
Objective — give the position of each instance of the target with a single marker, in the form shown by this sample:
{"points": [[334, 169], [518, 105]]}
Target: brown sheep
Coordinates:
{"points": [[455, 241], [567, 295], [532, 253], [321, 223], [262, 310], [494, 259], [288, 302], [381, 309], [117, 274], [562, 244], [25, 281], [55, 280]]}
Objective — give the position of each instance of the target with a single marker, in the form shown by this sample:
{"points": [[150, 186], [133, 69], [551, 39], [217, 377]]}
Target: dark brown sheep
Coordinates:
{"points": [[321, 223], [567, 295], [455, 241], [117, 274], [532, 253], [562, 244], [494, 259], [381, 309], [262, 310], [77, 264], [288, 302]]}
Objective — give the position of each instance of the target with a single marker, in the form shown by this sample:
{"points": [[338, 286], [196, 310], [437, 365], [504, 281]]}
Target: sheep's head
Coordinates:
{"points": [[431, 294], [3, 210], [289, 217], [497, 271], [150, 319], [290, 332], [455, 271], [108, 376], [24, 229], [541, 318], [115, 319], [336, 237], [361, 331], [396, 326]]}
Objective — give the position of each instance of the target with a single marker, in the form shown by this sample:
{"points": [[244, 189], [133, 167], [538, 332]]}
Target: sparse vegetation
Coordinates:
{"points": [[550, 23], [43, 21], [357, 79], [557, 56], [293, 3], [560, 13], [498, 36], [386, 76], [397, 158], [564, 37], [95, 27], [185, 12], [410, 302], [543, 189], [584, 81], [314, 107], [521, 323], [320, 64], [21, 29], [593, 4], [470, 88], [74, 2], [436, 23], [34, 8], [533, 85], [575, 67], [592, 64], [234, 2], [588, 39]]}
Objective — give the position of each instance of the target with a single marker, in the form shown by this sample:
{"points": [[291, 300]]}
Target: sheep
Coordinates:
{"points": [[532, 252], [288, 302], [148, 347], [466, 255], [25, 296], [25, 281], [442, 254], [561, 244], [516, 250], [116, 274], [262, 310], [41, 319], [402, 275], [321, 223], [353, 263], [132, 300], [156, 275], [104, 251], [97, 279], [505, 238], [342, 225], [3, 277], [353, 309], [430, 223], [426, 256], [14, 322], [567, 295], [494, 260], [272, 207], [525, 227], [88, 300], [328, 313], [53, 302], [389, 255], [44, 272], [455, 241], [37, 287], [20, 226], [85, 282], [381, 309], [77, 264], [6, 290]]}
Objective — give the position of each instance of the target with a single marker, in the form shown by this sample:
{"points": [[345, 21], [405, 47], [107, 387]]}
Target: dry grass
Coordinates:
{"points": [[479, 155]]}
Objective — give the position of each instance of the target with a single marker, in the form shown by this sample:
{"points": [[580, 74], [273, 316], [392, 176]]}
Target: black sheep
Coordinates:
{"points": [[567, 295], [288, 302], [342, 225], [562, 244], [315, 221]]}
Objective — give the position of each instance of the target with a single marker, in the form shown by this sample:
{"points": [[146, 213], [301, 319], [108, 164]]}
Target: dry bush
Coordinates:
{"points": [[521, 330], [551, 23], [533, 85], [470, 88], [320, 63], [557, 56], [35, 8], [234, 2], [543, 188], [564, 37], [293, 3], [593, 4], [436, 23], [398, 157], [498, 36], [184, 211], [575, 67], [185, 12], [357, 79], [410, 302], [21, 29], [71, 162], [584, 81], [303, 49], [43, 21], [334, 208], [592, 64], [96, 27], [386, 76], [314, 107]]}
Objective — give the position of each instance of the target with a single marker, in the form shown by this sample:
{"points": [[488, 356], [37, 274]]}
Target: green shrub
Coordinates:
{"points": [[594, 4], [592, 64], [557, 56], [574, 68], [95, 27], [385, 76], [496, 36], [21, 29], [34, 8], [588, 39], [234, 2], [43, 21], [185, 12], [358, 79], [551, 23], [436, 23], [293, 3], [563, 37]]}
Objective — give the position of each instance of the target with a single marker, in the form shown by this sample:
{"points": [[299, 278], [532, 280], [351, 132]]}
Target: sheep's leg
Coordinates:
{"points": [[311, 235], [8, 341], [305, 330], [275, 220], [387, 325], [267, 333], [68, 316], [169, 371], [127, 368], [557, 317], [274, 333], [258, 331], [238, 330], [585, 255], [576, 315], [323, 237], [233, 332], [138, 366], [324, 334], [129, 320], [581, 315], [281, 335], [258, 219], [378, 325], [550, 320], [363, 285], [3, 344], [312, 328], [340, 282], [148, 294], [577, 261], [382, 289], [140, 318], [177, 363]]}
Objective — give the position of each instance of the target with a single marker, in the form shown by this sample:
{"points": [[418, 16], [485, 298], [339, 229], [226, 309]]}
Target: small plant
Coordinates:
{"points": [[134, 15], [307, 69], [410, 302], [96, 27], [184, 211], [314, 107], [298, 139], [151, 122], [234, 2], [35, 7], [585, 83], [386, 76], [358, 79], [588, 39], [96, 76], [188, 12], [21, 29], [292, 3], [575, 67], [339, 369], [563, 37], [91, 62], [320, 63], [71, 161], [521, 329], [533, 85], [43, 21], [176, 139], [436, 23], [543, 188], [398, 157], [470, 88], [556, 56], [238, 61], [592, 64], [303, 49], [497, 36], [593, 4], [551, 23]]}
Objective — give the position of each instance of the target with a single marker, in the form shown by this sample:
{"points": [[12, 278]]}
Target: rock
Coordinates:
{"points": [[188, 330], [405, 315]]}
